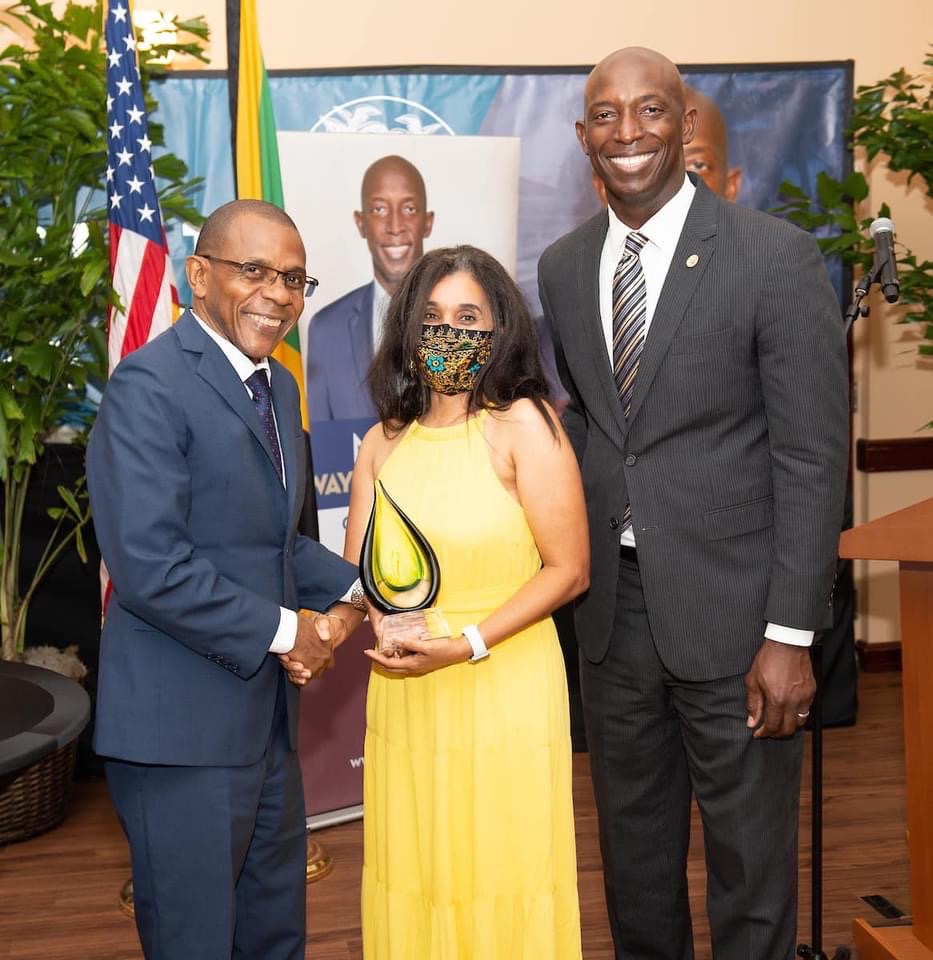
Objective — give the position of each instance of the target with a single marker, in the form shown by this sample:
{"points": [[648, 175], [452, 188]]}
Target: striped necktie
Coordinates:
{"points": [[258, 384], [628, 327], [628, 318]]}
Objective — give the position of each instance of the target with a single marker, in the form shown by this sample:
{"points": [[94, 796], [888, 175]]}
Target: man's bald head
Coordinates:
{"points": [[393, 217], [222, 220], [392, 166], [708, 154], [635, 58]]}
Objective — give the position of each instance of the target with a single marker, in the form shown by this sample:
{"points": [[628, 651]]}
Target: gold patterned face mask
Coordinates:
{"points": [[451, 358]]}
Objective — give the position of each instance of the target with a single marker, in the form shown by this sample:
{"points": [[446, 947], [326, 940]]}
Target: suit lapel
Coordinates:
{"points": [[697, 240], [360, 327], [215, 369], [589, 254], [290, 431]]}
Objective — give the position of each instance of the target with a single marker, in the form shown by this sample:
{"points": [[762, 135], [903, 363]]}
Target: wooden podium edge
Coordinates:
{"points": [[905, 535], [887, 943]]}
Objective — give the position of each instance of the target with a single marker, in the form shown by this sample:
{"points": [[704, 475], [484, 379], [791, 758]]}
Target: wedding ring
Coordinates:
{"points": [[803, 716]]}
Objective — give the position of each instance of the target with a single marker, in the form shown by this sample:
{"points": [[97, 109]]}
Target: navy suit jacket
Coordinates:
{"points": [[340, 350], [199, 537]]}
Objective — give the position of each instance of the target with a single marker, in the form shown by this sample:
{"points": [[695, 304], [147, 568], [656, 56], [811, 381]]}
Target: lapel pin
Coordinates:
{"points": [[692, 260]]}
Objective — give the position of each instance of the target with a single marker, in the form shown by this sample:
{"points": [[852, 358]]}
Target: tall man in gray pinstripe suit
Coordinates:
{"points": [[703, 351]]}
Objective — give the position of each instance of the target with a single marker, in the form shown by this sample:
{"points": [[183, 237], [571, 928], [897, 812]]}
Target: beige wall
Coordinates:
{"points": [[373, 32], [896, 394]]}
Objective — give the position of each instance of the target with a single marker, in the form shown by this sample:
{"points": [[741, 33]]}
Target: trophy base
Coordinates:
{"points": [[427, 624]]}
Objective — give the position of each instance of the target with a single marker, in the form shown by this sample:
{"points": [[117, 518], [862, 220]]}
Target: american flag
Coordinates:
{"points": [[142, 271], [139, 262]]}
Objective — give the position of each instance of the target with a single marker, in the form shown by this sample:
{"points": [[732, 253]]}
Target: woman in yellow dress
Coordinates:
{"points": [[469, 849]]}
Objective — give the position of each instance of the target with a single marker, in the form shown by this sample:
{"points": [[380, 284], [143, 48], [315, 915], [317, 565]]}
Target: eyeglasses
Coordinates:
{"points": [[260, 275]]}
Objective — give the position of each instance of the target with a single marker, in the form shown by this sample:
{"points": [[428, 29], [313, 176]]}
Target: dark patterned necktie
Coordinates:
{"points": [[628, 327], [258, 384]]}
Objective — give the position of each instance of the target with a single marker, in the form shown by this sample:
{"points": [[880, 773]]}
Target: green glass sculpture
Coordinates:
{"points": [[398, 568]]}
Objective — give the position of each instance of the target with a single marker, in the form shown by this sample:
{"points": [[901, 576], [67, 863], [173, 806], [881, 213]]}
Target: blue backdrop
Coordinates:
{"points": [[785, 121]]}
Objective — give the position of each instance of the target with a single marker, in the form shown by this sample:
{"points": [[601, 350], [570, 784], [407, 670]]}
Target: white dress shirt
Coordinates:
{"points": [[381, 300], [663, 233]]}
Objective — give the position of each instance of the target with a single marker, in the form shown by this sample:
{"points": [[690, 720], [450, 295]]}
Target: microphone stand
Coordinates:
{"points": [[814, 951], [856, 309]]}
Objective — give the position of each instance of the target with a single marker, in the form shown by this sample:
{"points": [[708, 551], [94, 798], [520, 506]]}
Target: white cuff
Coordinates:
{"points": [[790, 635], [285, 636]]}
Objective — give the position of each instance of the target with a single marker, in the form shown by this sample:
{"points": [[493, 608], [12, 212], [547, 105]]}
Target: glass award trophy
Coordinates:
{"points": [[400, 575]]}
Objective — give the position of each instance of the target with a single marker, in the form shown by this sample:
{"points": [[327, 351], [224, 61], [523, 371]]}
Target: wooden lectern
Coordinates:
{"points": [[907, 536]]}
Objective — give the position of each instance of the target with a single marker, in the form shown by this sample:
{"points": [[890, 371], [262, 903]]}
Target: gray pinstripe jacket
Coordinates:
{"points": [[734, 454]]}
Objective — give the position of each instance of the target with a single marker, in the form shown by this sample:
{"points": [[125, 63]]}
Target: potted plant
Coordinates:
{"points": [[892, 119], [55, 289]]}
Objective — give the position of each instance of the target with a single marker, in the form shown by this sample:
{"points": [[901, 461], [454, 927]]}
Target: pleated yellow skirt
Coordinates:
{"points": [[468, 817]]}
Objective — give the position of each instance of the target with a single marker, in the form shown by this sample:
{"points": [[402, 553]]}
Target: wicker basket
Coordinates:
{"points": [[36, 799]]}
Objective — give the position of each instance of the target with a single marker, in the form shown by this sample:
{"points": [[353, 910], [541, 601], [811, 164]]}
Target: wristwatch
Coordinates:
{"points": [[476, 642], [358, 596]]}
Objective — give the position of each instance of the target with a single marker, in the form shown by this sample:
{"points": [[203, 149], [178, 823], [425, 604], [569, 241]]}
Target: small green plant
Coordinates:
{"points": [[892, 119], [55, 289]]}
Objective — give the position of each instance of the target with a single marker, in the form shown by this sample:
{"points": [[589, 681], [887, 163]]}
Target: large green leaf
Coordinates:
{"points": [[39, 359], [4, 449], [8, 406], [70, 500], [91, 275]]}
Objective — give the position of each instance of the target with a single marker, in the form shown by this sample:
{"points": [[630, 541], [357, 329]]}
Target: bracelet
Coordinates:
{"points": [[476, 642], [358, 597]]}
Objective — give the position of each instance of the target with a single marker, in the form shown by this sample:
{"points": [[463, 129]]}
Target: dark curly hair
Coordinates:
{"points": [[514, 367]]}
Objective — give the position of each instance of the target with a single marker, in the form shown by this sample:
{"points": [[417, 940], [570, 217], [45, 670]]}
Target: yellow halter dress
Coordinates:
{"points": [[468, 817]]}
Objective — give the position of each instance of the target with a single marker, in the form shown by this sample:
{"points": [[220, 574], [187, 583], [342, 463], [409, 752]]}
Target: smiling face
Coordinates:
{"points": [[394, 220], [634, 129], [253, 317]]}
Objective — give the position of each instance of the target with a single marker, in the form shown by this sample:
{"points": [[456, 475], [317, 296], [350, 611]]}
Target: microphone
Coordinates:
{"points": [[885, 266]]}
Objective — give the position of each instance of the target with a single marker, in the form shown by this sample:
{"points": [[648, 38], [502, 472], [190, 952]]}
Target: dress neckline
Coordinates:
{"points": [[440, 433]]}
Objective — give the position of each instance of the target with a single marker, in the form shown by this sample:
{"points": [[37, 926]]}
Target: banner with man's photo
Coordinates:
{"points": [[495, 154]]}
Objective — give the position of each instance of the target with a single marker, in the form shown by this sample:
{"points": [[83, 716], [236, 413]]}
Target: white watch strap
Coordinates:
{"points": [[476, 642]]}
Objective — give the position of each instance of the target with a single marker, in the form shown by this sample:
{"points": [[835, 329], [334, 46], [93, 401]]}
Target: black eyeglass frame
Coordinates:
{"points": [[311, 283]]}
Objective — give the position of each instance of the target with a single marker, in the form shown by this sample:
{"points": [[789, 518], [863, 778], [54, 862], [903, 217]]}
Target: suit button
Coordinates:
{"points": [[613, 523], [631, 460]]}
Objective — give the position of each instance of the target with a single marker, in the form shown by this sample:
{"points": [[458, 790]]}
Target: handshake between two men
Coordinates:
{"points": [[318, 636]]}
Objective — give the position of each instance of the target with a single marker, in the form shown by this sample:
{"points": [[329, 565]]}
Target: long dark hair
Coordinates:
{"points": [[514, 367]]}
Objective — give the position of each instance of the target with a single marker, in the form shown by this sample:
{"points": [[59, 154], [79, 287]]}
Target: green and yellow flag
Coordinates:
{"points": [[254, 145]]}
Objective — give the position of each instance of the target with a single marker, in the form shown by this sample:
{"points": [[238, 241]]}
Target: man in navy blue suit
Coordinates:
{"points": [[196, 471], [394, 221]]}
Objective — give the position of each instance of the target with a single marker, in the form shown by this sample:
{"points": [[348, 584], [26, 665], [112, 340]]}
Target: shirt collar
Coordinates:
{"points": [[664, 228], [241, 363]]}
